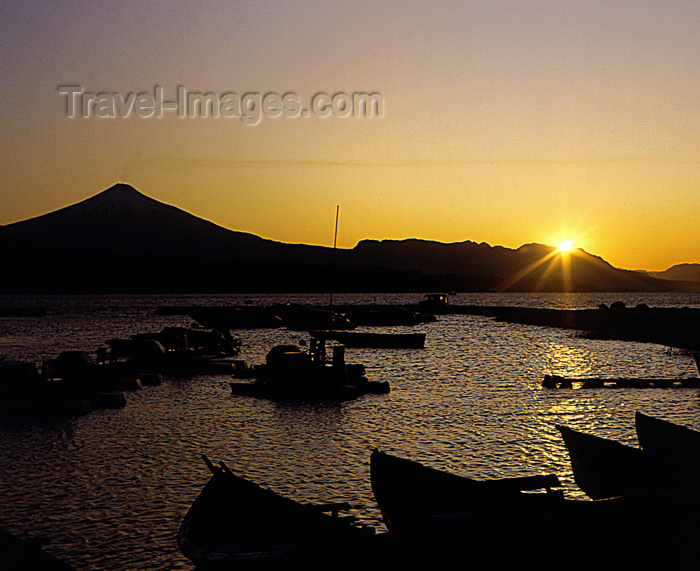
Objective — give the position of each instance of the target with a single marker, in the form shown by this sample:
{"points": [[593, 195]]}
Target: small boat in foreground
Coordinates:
{"points": [[604, 468], [416, 500], [663, 438], [235, 522], [672, 447], [668, 460], [450, 522]]}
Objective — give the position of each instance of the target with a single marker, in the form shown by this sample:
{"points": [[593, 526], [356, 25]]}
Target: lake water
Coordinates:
{"points": [[110, 489]]}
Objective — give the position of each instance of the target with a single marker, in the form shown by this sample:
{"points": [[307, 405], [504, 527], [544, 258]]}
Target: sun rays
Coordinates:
{"points": [[558, 269], [565, 246]]}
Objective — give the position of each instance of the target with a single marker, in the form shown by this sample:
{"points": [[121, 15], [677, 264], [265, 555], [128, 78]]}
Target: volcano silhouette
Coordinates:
{"points": [[121, 220]]}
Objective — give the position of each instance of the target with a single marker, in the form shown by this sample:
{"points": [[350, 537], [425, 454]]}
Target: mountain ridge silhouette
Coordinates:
{"points": [[77, 246]]}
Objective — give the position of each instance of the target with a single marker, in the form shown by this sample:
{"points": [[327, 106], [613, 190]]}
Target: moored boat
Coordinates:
{"points": [[416, 500], [25, 393], [672, 447], [661, 437], [385, 315], [299, 317], [236, 523], [604, 468], [451, 522], [434, 303], [374, 340], [292, 374], [668, 460]]}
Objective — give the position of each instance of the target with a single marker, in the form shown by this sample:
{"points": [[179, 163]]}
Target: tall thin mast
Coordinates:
{"points": [[335, 243]]}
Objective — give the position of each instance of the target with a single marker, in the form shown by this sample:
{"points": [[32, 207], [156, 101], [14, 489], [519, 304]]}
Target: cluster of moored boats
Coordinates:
{"points": [[298, 317], [291, 373], [74, 383], [644, 514]]}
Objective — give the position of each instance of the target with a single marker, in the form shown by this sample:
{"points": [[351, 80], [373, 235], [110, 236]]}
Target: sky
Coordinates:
{"points": [[506, 122]]}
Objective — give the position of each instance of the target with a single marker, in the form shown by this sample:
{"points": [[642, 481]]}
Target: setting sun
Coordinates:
{"points": [[565, 245]]}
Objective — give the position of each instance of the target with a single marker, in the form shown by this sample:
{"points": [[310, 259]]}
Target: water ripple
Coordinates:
{"points": [[111, 488]]}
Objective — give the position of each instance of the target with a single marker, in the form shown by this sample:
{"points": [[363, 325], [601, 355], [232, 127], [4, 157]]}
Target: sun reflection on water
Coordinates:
{"points": [[568, 360]]}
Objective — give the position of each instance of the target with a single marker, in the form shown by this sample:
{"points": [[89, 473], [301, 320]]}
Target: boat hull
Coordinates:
{"points": [[416, 500], [604, 468], [673, 448], [502, 530], [234, 523]]}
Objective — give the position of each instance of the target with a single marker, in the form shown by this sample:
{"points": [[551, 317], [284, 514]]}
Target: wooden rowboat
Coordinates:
{"points": [[604, 468], [451, 522], [416, 500], [236, 523], [673, 448], [663, 438], [668, 459]]}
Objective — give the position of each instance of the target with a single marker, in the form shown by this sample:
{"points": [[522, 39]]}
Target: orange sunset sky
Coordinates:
{"points": [[504, 122]]}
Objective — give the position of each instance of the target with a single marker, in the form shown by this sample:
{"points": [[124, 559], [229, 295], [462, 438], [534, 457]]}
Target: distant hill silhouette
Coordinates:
{"points": [[680, 272], [123, 241], [532, 267]]}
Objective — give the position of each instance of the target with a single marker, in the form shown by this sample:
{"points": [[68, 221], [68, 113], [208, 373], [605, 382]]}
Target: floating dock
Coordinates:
{"points": [[557, 382]]}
